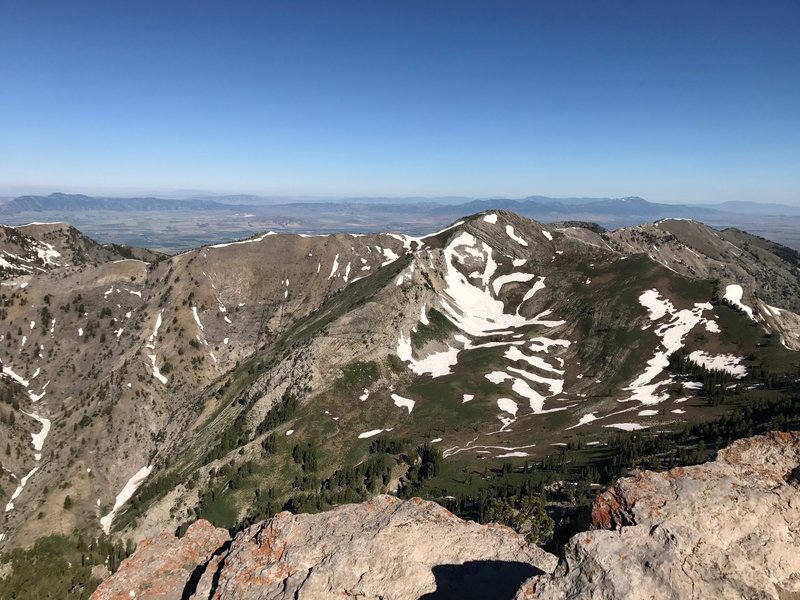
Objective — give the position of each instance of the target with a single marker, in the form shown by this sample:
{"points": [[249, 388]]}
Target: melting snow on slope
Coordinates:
{"points": [[507, 405], [733, 294], [499, 282], [335, 267], [156, 371], [423, 316], [513, 235], [9, 371], [403, 402], [547, 234], [388, 254], [456, 449], [151, 341], [258, 239], [38, 438], [435, 365], [406, 275], [671, 333], [721, 362], [626, 426], [539, 285], [20, 487], [515, 354], [517, 454], [472, 309], [369, 434], [584, 420], [490, 218], [127, 492], [196, 318], [47, 253]]}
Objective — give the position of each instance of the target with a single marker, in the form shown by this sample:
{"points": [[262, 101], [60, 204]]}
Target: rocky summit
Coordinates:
{"points": [[724, 529], [383, 548]]}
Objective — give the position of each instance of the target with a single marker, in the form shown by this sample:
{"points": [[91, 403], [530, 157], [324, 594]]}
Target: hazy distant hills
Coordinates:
{"points": [[79, 202], [755, 208], [613, 207], [173, 224]]}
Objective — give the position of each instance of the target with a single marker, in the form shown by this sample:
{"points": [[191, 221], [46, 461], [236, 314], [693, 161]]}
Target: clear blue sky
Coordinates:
{"points": [[673, 101]]}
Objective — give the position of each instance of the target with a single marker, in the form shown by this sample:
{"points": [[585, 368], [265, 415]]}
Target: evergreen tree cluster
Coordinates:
{"points": [[59, 567]]}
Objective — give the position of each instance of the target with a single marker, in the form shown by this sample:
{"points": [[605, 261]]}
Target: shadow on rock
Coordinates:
{"points": [[480, 579]]}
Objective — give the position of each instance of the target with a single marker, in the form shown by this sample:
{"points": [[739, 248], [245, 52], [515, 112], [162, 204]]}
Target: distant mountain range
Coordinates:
{"points": [[531, 205], [79, 202], [176, 224]]}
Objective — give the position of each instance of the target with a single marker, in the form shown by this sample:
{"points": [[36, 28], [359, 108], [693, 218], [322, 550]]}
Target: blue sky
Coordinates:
{"points": [[672, 101]]}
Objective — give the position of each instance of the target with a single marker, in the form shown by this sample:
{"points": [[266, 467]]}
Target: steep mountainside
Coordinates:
{"points": [[725, 529], [296, 371]]}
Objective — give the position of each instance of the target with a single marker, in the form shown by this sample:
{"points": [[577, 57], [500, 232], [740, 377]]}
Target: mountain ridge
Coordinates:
{"points": [[304, 371]]}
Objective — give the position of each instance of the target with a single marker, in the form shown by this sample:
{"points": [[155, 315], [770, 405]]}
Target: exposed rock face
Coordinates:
{"points": [[384, 548], [726, 529], [162, 567]]}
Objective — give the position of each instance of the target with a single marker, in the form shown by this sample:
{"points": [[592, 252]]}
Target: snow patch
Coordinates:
{"points": [[584, 420], [507, 405], [513, 235], [38, 438], [403, 402], [720, 362], [156, 371], [127, 492], [20, 487], [733, 294], [499, 282], [626, 426], [197, 318], [369, 434], [10, 372], [250, 241], [671, 333], [335, 267]]}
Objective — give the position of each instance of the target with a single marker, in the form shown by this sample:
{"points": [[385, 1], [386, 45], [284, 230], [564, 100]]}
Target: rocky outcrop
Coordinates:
{"points": [[725, 529], [164, 567], [384, 548]]}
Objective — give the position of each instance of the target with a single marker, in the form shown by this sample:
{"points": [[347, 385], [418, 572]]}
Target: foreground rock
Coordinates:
{"points": [[162, 566], [384, 548], [726, 529]]}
